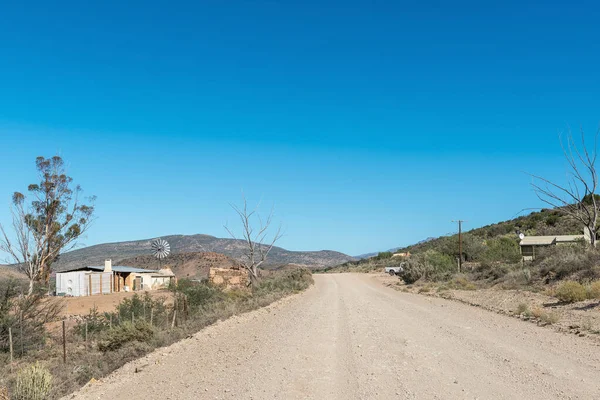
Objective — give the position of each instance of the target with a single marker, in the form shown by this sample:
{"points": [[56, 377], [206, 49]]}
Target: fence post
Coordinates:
{"points": [[144, 310], [21, 328], [174, 317], [185, 308], [11, 347], [167, 318], [132, 317], [151, 315], [64, 342], [86, 331]]}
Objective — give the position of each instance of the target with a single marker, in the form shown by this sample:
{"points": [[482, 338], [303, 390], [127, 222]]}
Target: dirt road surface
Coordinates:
{"points": [[350, 337]]}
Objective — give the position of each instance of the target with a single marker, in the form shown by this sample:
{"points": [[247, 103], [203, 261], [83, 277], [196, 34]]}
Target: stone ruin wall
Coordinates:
{"points": [[229, 277]]}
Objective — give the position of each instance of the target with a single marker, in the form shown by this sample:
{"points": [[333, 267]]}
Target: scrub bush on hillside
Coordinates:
{"points": [[431, 266], [501, 249], [573, 262]]}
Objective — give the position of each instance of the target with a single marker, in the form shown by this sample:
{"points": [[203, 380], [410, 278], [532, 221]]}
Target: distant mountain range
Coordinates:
{"points": [[95, 255]]}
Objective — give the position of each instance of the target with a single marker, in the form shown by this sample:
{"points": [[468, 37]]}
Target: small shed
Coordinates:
{"points": [[529, 243], [92, 280]]}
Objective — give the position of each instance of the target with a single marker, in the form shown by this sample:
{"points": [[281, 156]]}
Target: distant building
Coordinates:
{"points": [[93, 280], [407, 254], [530, 244]]}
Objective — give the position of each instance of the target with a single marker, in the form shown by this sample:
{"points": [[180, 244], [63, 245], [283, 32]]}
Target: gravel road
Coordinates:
{"points": [[350, 337]]}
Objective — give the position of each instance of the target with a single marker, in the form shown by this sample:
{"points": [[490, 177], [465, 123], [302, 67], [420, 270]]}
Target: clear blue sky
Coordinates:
{"points": [[368, 124]]}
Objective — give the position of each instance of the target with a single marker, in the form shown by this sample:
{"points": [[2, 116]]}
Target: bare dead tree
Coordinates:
{"points": [[577, 199], [257, 237], [49, 224]]}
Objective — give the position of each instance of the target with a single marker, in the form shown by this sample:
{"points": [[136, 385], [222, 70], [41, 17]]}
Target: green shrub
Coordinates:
{"points": [[431, 265], [126, 332], [28, 314], [200, 294], [570, 292], [96, 322], [289, 281], [33, 383], [501, 249], [140, 307], [552, 219]]}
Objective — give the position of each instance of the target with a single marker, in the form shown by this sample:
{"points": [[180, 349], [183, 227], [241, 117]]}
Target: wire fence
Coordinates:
{"points": [[23, 336]]}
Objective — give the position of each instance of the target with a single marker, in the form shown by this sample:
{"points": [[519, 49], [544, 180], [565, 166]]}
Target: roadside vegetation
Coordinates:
{"points": [[492, 258], [138, 325]]}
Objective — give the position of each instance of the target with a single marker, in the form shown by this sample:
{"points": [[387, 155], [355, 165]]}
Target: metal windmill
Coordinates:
{"points": [[160, 249]]}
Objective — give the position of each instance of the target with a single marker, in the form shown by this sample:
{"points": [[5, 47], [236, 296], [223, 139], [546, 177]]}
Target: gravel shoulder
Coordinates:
{"points": [[581, 318], [350, 337]]}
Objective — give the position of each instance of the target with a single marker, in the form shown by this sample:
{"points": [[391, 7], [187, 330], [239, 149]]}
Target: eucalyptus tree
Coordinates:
{"points": [[46, 221]]}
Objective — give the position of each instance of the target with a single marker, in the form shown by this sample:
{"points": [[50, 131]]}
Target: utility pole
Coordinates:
{"points": [[460, 253]]}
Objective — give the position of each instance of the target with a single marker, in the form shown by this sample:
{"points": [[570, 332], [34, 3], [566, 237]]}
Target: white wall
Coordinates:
{"points": [[77, 283], [72, 283]]}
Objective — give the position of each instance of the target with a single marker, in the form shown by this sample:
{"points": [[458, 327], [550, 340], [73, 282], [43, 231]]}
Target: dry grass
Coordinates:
{"points": [[523, 309], [593, 290], [570, 292], [544, 316]]}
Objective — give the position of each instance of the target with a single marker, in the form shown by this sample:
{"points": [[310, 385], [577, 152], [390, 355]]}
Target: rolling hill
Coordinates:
{"points": [[544, 222], [95, 255]]}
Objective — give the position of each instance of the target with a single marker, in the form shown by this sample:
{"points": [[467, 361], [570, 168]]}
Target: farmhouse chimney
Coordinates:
{"points": [[108, 265]]}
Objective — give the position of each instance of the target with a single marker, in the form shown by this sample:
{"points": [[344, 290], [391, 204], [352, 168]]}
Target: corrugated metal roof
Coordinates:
{"points": [[569, 238], [119, 268], [538, 240], [548, 240], [116, 268]]}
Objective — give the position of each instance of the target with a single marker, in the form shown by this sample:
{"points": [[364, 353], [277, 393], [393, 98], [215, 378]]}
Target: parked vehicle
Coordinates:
{"points": [[395, 270]]}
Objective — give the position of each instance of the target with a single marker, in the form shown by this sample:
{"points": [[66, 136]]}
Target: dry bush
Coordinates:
{"points": [[562, 262], [33, 383], [570, 292], [523, 309], [543, 316], [516, 279], [490, 271], [462, 283], [425, 289], [593, 290]]}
